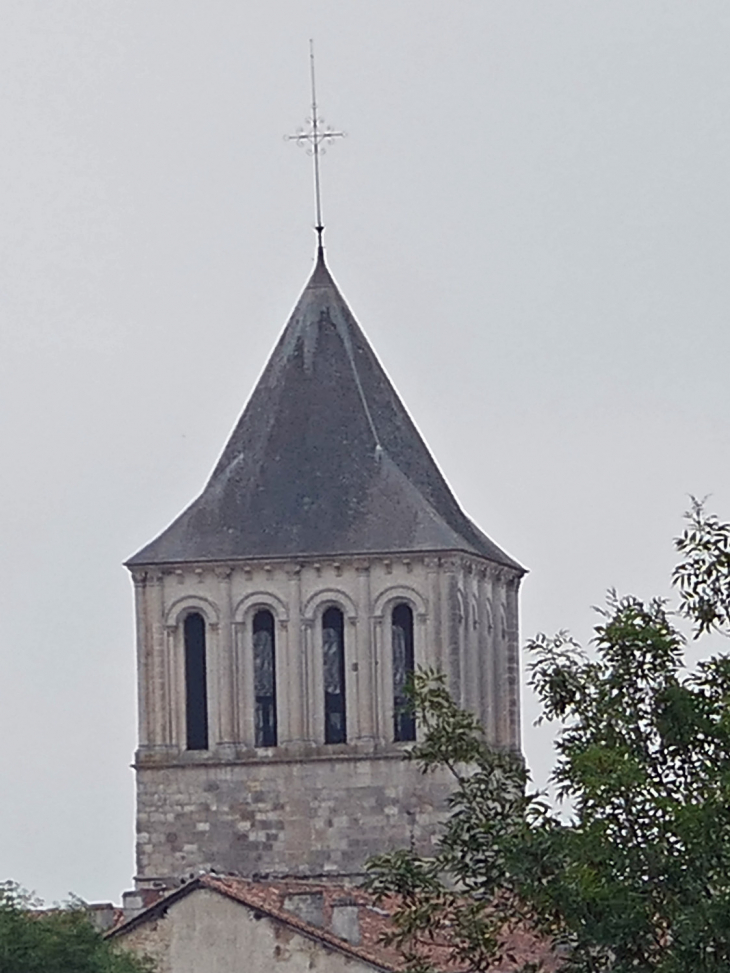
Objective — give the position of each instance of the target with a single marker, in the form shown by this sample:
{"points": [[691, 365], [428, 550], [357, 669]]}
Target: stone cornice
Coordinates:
{"points": [[283, 754], [430, 559]]}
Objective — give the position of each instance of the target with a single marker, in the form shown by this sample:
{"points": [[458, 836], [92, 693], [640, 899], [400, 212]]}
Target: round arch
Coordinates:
{"points": [[261, 599], [326, 598], [400, 592], [188, 604]]}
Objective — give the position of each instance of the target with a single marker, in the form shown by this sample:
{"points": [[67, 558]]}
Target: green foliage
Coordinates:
{"points": [[54, 941], [637, 877], [487, 806], [703, 577]]}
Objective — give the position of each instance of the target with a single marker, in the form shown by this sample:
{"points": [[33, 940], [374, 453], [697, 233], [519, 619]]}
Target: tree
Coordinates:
{"points": [[55, 941], [636, 877]]}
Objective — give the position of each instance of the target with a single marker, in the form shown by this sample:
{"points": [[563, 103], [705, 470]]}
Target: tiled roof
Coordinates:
{"points": [[324, 460], [269, 897]]}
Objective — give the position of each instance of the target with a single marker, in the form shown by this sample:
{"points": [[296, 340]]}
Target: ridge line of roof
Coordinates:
{"points": [[312, 932], [348, 350]]}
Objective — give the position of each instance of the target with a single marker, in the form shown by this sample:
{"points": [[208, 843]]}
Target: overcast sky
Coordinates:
{"points": [[529, 218]]}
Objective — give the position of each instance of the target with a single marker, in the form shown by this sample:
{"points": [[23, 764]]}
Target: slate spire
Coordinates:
{"points": [[324, 460]]}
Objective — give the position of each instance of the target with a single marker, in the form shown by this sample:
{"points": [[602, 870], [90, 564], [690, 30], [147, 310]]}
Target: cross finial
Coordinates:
{"points": [[315, 138]]}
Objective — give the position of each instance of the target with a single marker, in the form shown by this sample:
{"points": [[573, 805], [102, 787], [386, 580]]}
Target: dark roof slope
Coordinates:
{"points": [[324, 460]]}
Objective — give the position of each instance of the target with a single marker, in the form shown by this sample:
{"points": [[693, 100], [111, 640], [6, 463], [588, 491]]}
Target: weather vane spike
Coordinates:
{"points": [[315, 138]]}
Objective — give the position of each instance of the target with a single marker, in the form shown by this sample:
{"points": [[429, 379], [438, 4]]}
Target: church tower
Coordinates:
{"points": [[278, 619]]}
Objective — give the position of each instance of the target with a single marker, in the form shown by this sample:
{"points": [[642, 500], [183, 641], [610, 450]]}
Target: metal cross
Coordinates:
{"points": [[315, 138]]}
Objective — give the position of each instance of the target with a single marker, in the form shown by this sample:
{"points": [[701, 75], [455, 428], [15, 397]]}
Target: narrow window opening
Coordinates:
{"points": [[264, 668], [333, 650], [196, 689], [404, 720]]}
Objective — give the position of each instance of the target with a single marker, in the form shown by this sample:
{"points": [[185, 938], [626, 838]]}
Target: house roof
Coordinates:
{"points": [[268, 897], [324, 459]]}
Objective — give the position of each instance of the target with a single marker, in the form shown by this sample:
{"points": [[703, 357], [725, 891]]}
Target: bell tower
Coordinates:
{"points": [[279, 616]]}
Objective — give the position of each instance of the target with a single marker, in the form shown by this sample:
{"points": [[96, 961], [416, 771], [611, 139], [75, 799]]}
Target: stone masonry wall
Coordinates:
{"points": [[320, 816], [303, 807]]}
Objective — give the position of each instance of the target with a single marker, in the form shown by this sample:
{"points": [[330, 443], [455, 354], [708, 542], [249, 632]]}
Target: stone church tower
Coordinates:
{"points": [[279, 616]]}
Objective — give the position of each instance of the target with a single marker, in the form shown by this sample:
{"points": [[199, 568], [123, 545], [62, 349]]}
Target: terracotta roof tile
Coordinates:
{"points": [[269, 897]]}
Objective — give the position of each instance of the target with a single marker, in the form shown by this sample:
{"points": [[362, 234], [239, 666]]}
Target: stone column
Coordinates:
{"points": [[381, 671], [247, 697], [501, 652], [312, 701], [212, 674], [238, 689], [450, 614], [365, 673], [470, 690], [225, 678], [513, 661], [144, 659], [282, 679], [352, 708], [492, 668], [420, 650], [157, 696], [293, 727], [171, 736], [483, 657], [431, 634]]}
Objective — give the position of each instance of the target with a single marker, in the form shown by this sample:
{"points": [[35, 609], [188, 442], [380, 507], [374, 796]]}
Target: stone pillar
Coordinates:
{"points": [[469, 648], [501, 647], [144, 659], [157, 696], [248, 693], [447, 644], [244, 683], [482, 649], [282, 679], [293, 671], [430, 654], [352, 707], [171, 736], [365, 672], [452, 640], [381, 675], [492, 670], [225, 676], [212, 662], [312, 703], [513, 662], [421, 635], [177, 644]]}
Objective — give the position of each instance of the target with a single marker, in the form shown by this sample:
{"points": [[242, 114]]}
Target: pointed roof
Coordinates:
{"points": [[324, 460]]}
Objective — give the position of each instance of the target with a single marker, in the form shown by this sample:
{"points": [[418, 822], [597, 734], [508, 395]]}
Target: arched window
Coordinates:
{"points": [[196, 688], [404, 720], [333, 664], [264, 678]]}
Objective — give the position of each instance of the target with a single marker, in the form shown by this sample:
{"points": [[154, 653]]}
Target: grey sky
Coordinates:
{"points": [[530, 220]]}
